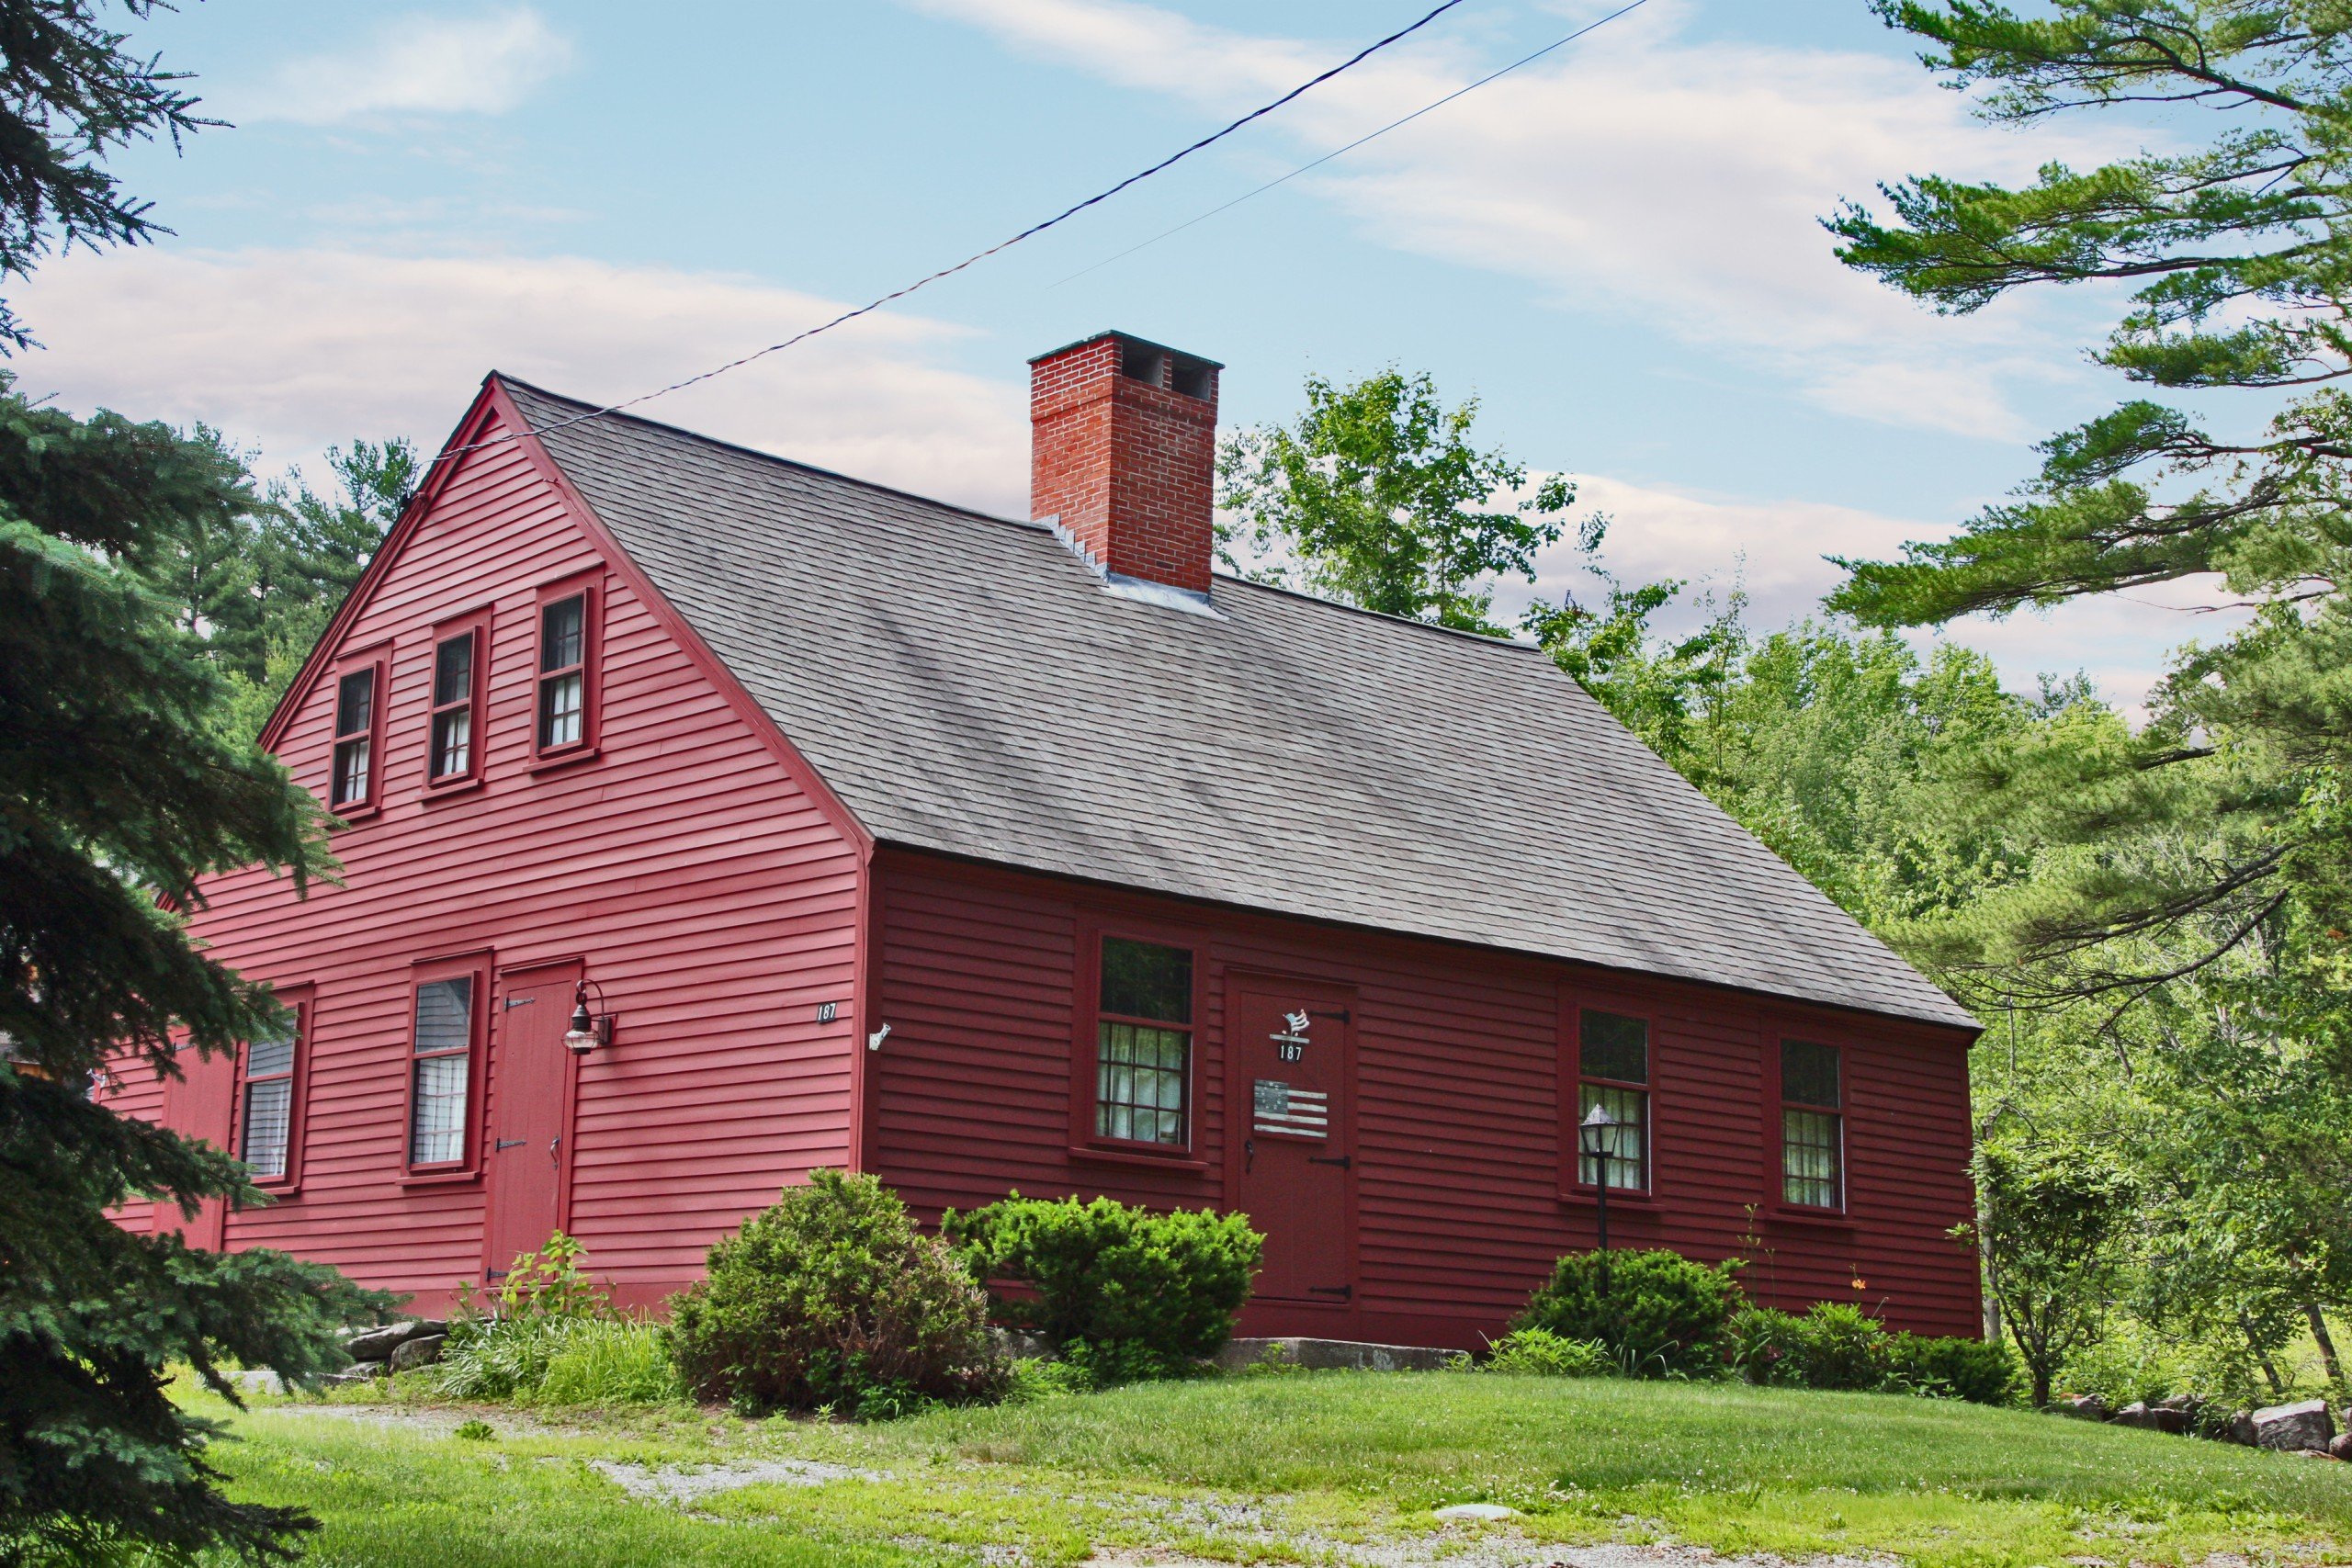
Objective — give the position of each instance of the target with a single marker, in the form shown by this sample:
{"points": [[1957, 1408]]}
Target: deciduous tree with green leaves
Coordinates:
{"points": [[1377, 497]]}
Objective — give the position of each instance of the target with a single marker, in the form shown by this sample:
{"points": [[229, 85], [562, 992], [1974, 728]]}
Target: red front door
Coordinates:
{"points": [[1290, 1050], [200, 1103], [530, 1081]]}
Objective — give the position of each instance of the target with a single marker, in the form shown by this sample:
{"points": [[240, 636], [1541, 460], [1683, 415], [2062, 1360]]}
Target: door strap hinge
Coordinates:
{"points": [[1345, 1293], [1342, 1161], [1339, 1013], [520, 1001], [510, 1144]]}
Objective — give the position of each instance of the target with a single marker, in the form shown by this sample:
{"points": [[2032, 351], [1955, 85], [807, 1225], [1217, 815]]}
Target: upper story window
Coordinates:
{"points": [[1813, 1126], [453, 750], [441, 1047], [1613, 1073], [355, 704], [1143, 1044], [564, 711]]}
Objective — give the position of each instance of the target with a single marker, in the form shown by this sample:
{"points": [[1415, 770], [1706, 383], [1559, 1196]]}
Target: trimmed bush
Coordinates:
{"points": [[1662, 1316], [831, 1298], [1543, 1353], [1764, 1344], [1973, 1370], [1128, 1293], [1839, 1347]]}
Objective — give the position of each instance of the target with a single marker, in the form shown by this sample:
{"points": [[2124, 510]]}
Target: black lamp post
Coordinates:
{"points": [[1594, 1139]]}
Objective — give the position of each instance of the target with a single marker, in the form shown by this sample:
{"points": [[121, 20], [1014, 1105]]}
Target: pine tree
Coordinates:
{"points": [[115, 794], [2227, 816]]}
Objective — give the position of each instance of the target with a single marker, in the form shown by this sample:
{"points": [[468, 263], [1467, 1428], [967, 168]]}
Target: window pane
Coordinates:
{"points": [[1810, 1159], [268, 1058], [1139, 1083], [453, 671], [559, 710], [444, 1012], [1809, 1073], [437, 1130], [562, 627], [1144, 979], [1624, 1148], [268, 1116], [350, 772], [355, 702], [453, 733], [1614, 1046]]}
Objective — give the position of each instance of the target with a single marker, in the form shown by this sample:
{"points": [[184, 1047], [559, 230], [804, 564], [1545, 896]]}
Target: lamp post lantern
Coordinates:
{"points": [[1594, 1137]]}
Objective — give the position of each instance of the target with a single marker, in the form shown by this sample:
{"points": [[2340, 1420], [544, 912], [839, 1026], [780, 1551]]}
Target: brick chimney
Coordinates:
{"points": [[1123, 452]]}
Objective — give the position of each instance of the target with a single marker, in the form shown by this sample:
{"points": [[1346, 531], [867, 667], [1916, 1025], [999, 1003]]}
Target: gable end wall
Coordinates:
{"points": [[713, 897]]}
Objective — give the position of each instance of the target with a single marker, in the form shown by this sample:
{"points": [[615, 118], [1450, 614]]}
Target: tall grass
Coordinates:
{"points": [[581, 1361]]}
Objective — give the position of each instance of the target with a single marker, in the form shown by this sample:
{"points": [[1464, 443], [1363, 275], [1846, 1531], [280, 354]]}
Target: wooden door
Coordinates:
{"points": [[1290, 1053], [200, 1103], [530, 1114]]}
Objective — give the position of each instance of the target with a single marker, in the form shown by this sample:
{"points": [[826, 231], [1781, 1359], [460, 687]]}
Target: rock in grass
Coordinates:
{"points": [[2154, 1417], [359, 1371], [2340, 1447], [1477, 1511], [378, 1344], [422, 1351], [2084, 1406], [2303, 1427]]}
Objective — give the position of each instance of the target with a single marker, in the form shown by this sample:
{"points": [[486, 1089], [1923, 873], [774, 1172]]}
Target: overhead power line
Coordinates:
{"points": [[1284, 179], [1030, 233]]}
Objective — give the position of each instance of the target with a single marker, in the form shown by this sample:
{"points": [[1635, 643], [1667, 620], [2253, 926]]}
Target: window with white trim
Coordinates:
{"points": [[452, 741], [564, 673], [265, 1136], [354, 739]]}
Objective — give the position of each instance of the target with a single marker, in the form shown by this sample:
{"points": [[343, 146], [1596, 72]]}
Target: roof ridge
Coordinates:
{"points": [[973, 512], [720, 442]]}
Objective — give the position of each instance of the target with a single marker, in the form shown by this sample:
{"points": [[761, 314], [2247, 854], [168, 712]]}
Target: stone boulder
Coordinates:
{"points": [[2238, 1428], [2164, 1417], [2340, 1447], [378, 1344], [421, 1351], [2082, 1406], [2303, 1427], [359, 1371], [1332, 1354]]}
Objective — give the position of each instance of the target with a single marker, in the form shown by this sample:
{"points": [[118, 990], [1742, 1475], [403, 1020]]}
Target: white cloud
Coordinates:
{"points": [[1776, 550], [294, 350], [414, 65], [1637, 171]]}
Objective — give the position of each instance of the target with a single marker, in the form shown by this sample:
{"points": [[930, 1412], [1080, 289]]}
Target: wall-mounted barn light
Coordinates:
{"points": [[588, 1029]]}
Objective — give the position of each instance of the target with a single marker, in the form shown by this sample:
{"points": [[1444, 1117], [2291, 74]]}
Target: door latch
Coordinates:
{"points": [[554, 1158], [1249, 1155]]}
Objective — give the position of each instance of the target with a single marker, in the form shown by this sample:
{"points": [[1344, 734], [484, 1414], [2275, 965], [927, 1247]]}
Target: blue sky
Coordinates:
{"points": [[1616, 250]]}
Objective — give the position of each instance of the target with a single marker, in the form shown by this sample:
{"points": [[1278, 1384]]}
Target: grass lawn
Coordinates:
{"points": [[1308, 1467]]}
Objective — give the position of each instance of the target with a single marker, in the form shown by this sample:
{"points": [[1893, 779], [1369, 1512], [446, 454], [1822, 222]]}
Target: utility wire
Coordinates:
{"points": [[1303, 168], [1030, 233]]}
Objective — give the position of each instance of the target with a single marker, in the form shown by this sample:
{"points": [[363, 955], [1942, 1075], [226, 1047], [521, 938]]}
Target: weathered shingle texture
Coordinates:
{"points": [[966, 684]]}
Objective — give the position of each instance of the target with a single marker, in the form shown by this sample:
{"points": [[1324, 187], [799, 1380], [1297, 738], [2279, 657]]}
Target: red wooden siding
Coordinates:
{"points": [[1457, 1172], [713, 897]]}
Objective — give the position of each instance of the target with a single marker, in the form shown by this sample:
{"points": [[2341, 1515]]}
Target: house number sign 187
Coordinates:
{"points": [[1290, 1045]]}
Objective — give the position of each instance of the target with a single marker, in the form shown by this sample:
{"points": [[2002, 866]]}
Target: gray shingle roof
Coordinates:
{"points": [[966, 684]]}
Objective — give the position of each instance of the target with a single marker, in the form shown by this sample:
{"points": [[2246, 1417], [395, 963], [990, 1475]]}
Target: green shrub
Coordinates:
{"points": [[832, 1298], [1842, 1347], [500, 1345], [1662, 1314], [1544, 1353], [1764, 1344], [1033, 1381], [1143, 1293], [1973, 1370]]}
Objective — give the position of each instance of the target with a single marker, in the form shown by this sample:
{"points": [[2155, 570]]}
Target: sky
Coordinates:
{"points": [[1616, 250]]}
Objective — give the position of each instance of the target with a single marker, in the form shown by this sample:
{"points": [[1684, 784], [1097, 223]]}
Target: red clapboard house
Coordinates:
{"points": [[982, 855]]}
